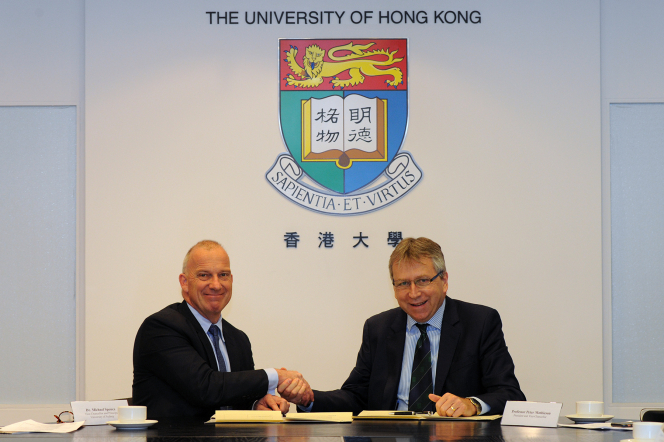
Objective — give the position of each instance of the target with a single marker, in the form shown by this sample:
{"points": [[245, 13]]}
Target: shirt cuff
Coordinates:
{"points": [[273, 380], [306, 409], [485, 407]]}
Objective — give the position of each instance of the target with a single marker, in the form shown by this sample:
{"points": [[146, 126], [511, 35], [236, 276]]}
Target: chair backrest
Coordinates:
{"points": [[652, 415]]}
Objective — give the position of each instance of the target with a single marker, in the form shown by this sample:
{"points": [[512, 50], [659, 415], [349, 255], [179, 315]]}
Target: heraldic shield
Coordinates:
{"points": [[343, 115]]}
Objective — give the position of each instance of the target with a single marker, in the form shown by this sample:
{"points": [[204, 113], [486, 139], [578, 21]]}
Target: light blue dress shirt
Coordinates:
{"points": [[412, 336], [273, 377]]}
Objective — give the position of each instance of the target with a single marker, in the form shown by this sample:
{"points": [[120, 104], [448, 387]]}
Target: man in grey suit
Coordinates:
{"points": [[188, 361], [431, 353]]}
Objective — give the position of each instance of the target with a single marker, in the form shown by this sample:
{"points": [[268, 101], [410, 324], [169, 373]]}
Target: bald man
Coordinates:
{"points": [[189, 361]]}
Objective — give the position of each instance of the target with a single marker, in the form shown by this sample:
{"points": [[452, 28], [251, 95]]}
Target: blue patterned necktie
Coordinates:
{"points": [[421, 380], [216, 335]]}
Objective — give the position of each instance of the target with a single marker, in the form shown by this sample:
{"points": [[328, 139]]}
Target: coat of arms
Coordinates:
{"points": [[344, 113]]}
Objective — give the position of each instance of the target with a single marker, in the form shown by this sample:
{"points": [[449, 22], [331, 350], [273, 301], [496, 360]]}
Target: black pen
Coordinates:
{"points": [[411, 413]]}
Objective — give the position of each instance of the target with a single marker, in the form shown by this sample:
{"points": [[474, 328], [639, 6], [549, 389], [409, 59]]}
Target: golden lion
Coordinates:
{"points": [[315, 69]]}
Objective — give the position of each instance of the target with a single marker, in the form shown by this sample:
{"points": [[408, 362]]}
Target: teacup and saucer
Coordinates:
{"points": [[132, 417], [589, 412], [646, 432]]}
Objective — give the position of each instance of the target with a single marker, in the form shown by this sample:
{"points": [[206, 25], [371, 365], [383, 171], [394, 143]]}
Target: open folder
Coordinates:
{"points": [[233, 416], [397, 415]]}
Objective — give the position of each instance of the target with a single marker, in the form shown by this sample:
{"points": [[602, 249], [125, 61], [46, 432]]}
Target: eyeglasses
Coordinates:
{"points": [[64, 417], [404, 284]]}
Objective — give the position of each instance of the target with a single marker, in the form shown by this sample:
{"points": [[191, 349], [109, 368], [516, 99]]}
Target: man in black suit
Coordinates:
{"points": [[462, 366], [188, 361]]}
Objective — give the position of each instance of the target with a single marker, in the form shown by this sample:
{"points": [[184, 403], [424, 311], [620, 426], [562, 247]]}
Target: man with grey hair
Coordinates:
{"points": [[431, 353], [188, 361]]}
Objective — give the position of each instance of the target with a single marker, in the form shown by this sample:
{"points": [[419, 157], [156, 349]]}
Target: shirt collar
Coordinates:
{"points": [[436, 320], [205, 322]]}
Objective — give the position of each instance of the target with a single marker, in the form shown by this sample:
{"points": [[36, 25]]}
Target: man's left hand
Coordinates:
{"points": [[270, 402], [453, 406]]}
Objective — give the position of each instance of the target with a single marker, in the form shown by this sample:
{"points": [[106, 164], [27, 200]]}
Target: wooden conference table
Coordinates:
{"points": [[171, 430]]}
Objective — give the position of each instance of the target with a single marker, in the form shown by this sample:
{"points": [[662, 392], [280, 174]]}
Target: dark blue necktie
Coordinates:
{"points": [[421, 380], [216, 335]]}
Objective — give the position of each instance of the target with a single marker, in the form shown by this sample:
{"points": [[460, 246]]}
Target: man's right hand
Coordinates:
{"points": [[296, 391], [288, 374], [294, 388]]}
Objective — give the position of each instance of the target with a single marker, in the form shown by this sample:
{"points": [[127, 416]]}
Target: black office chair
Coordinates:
{"points": [[652, 415]]}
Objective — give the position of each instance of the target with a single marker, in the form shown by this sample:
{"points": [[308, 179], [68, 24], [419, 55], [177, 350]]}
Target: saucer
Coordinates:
{"points": [[132, 425], [579, 419]]}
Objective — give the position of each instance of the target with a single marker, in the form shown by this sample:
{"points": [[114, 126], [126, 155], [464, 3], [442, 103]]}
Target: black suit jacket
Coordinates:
{"points": [[472, 361], [175, 370]]}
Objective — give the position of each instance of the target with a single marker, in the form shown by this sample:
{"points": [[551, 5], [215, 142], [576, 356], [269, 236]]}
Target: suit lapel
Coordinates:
{"points": [[200, 334], [449, 337], [395, 343]]}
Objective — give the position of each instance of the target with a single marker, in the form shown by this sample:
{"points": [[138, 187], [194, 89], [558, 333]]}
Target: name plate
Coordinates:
{"points": [[531, 414], [96, 412]]}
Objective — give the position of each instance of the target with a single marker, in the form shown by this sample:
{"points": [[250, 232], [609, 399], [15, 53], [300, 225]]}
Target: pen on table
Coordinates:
{"points": [[411, 413]]}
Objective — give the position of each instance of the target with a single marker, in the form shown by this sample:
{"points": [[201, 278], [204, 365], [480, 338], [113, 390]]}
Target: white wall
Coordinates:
{"points": [[504, 121], [182, 124], [42, 52], [632, 60], [42, 65]]}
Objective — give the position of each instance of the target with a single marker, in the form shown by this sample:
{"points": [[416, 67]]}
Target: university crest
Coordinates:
{"points": [[343, 114]]}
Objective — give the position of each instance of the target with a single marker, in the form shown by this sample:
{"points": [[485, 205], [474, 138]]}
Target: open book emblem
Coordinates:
{"points": [[344, 129], [343, 115]]}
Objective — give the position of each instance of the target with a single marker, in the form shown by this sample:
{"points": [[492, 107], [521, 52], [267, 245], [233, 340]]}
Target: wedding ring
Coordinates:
{"points": [[452, 408]]}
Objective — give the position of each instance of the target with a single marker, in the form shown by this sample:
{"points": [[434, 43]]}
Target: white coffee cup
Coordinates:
{"points": [[132, 413], [646, 430], [590, 408]]}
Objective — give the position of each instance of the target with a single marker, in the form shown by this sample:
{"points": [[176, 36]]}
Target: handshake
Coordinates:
{"points": [[292, 387]]}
